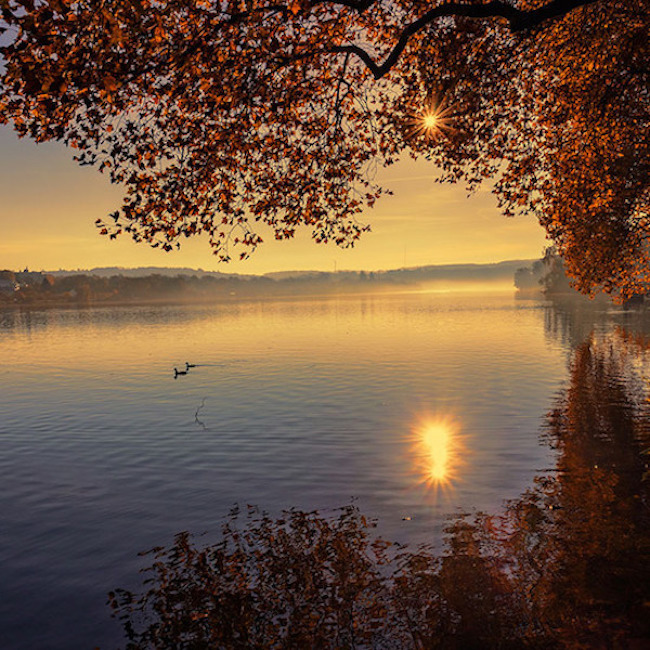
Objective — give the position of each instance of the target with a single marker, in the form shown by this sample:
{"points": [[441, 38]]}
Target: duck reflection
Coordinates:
{"points": [[566, 565]]}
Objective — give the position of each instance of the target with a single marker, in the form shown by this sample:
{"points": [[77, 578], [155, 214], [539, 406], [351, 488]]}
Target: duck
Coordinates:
{"points": [[189, 365], [179, 372]]}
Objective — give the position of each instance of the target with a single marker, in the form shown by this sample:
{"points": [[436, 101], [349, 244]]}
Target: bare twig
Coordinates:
{"points": [[196, 415]]}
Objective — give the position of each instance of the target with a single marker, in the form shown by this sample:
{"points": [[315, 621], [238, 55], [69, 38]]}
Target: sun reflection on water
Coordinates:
{"points": [[438, 452]]}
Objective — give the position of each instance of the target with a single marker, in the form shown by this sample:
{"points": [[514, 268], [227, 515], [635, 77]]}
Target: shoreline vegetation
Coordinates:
{"points": [[547, 278], [116, 286]]}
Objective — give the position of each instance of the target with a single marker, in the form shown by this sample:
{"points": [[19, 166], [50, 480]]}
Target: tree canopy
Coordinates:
{"points": [[239, 118]]}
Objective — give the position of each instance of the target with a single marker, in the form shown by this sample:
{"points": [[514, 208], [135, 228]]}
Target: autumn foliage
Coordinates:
{"points": [[243, 118]]}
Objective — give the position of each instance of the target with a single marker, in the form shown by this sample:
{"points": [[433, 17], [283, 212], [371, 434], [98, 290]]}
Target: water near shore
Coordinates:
{"points": [[417, 406]]}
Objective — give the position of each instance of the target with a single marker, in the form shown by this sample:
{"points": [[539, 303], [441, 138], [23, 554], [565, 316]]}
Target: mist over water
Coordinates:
{"points": [[306, 404]]}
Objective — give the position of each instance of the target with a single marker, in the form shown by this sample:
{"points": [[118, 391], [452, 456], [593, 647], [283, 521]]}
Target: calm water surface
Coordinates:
{"points": [[291, 404]]}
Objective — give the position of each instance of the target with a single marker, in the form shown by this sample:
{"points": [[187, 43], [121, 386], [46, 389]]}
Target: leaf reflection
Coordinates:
{"points": [[567, 565]]}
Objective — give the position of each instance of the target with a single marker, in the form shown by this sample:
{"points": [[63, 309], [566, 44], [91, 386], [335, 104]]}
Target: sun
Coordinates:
{"points": [[433, 119], [430, 121]]}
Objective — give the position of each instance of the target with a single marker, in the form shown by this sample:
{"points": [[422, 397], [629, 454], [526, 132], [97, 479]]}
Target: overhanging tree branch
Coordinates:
{"points": [[518, 21]]}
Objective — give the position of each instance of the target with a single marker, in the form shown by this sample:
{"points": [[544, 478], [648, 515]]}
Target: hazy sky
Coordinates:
{"points": [[48, 206]]}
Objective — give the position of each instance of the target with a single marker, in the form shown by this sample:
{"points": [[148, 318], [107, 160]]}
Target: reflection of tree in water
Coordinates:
{"points": [[579, 540], [570, 318], [566, 565]]}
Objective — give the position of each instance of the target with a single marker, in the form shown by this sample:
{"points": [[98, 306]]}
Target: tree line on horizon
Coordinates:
{"points": [[83, 288], [546, 275]]}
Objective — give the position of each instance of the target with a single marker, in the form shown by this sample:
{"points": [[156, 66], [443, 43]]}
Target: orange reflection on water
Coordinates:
{"points": [[438, 451]]}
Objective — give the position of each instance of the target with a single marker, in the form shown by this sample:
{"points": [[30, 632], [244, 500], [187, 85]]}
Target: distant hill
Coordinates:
{"points": [[110, 271], [457, 272], [152, 284]]}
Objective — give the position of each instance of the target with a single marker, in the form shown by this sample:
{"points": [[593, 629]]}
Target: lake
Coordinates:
{"points": [[309, 404]]}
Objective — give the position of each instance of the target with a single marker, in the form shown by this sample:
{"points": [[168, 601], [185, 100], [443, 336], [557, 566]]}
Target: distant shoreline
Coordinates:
{"points": [[489, 288], [467, 268], [105, 287]]}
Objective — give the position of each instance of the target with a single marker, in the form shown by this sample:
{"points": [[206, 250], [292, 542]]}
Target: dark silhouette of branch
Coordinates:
{"points": [[518, 21], [337, 103]]}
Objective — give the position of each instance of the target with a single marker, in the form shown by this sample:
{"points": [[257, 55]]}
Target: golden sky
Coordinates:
{"points": [[48, 205]]}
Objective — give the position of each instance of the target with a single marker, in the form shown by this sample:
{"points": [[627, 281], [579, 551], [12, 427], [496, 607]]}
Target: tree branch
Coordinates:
{"points": [[518, 21], [337, 103]]}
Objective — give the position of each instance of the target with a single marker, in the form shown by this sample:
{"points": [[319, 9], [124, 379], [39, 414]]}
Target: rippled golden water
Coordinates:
{"points": [[417, 406]]}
